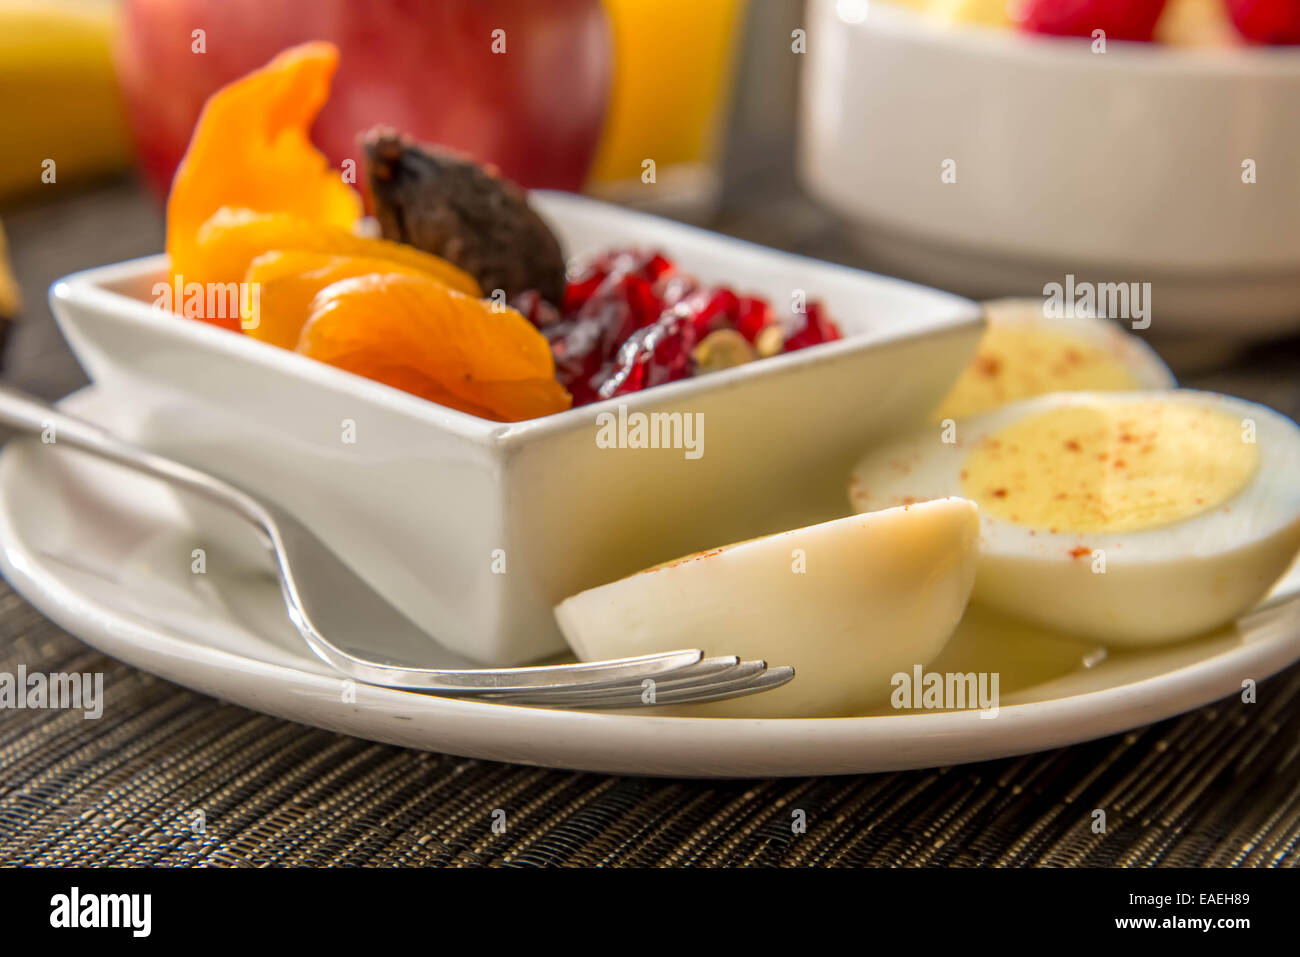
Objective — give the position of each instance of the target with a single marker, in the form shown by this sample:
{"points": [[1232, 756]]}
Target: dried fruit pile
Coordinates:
{"points": [[254, 202], [630, 320], [627, 321]]}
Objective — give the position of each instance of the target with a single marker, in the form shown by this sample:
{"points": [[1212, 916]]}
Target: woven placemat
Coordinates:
{"points": [[169, 776]]}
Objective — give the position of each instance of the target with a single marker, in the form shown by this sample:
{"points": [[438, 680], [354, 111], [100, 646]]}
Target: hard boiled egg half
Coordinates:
{"points": [[1024, 353], [1128, 517], [849, 603]]}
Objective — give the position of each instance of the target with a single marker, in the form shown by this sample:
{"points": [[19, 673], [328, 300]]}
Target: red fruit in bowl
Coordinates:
{"points": [[713, 311], [1120, 19], [1267, 21], [429, 69], [651, 356], [753, 315], [817, 328]]}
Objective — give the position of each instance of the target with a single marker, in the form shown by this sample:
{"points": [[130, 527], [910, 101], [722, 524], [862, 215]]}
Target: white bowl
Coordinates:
{"points": [[428, 502], [1123, 166]]}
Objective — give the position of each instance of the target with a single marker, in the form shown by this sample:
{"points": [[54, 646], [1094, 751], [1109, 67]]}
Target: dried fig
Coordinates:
{"points": [[446, 204]]}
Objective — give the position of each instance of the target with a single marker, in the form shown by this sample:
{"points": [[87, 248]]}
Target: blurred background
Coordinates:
{"points": [[982, 146]]}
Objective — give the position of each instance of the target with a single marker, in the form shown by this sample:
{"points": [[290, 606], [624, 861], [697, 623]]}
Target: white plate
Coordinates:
{"points": [[107, 557]]}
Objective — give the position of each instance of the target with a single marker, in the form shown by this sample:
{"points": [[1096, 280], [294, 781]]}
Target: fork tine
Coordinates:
{"points": [[727, 688], [706, 671], [748, 677], [769, 679], [482, 682]]}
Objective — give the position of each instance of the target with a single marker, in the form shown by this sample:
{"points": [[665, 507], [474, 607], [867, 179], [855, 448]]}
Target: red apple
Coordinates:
{"points": [[431, 69], [1267, 21], [1120, 19]]}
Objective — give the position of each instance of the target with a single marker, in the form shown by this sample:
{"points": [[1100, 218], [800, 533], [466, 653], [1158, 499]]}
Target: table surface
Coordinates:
{"points": [[1217, 786]]}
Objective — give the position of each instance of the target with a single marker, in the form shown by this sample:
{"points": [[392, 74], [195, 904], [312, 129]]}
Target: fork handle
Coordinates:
{"points": [[35, 416]]}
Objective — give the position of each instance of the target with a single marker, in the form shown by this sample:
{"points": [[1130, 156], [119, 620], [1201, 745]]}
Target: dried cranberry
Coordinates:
{"points": [[592, 278], [674, 288], [708, 309], [753, 315], [579, 290], [631, 321], [535, 309], [817, 328], [653, 355], [656, 266], [637, 292], [576, 346]]}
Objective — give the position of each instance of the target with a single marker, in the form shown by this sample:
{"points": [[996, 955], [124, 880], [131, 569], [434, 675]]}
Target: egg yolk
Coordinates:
{"points": [[1116, 467], [1016, 362]]}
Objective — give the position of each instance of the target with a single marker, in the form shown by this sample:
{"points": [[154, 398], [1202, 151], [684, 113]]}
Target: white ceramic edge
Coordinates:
{"points": [[640, 744]]}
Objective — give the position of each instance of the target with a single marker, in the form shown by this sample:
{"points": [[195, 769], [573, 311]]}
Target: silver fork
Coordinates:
{"points": [[318, 587]]}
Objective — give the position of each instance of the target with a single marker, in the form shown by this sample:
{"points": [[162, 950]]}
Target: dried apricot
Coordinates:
{"points": [[418, 335], [233, 238], [251, 149], [286, 281]]}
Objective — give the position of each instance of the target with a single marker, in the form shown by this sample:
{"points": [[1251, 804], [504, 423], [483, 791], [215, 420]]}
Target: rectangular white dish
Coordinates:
{"points": [[475, 529]]}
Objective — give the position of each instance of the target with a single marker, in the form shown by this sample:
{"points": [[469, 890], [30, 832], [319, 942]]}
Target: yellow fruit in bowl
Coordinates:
{"points": [[61, 117], [418, 335], [9, 297], [286, 281], [251, 150], [991, 13], [231, 239]]}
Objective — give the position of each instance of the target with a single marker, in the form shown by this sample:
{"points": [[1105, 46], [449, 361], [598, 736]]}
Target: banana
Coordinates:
{"points": [[9, 298], [61, 117]]}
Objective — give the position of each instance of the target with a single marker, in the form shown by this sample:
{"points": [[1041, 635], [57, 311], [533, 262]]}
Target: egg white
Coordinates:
{"points": [[849, 603], [1157, 584]]}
